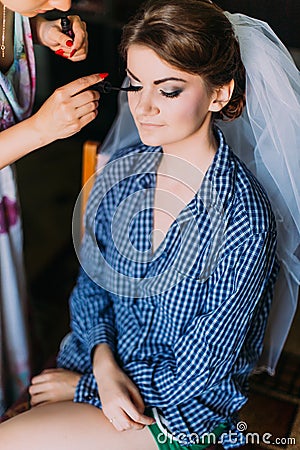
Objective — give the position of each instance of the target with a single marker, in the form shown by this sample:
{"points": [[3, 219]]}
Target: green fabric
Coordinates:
{"points": [[165, 443]]}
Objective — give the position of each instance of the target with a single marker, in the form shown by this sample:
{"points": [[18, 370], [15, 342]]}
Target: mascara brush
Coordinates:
{"points": [[105, 87]]}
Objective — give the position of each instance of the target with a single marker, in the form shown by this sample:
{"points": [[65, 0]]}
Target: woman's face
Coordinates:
{"points": [[31, 8], [171, 105]]}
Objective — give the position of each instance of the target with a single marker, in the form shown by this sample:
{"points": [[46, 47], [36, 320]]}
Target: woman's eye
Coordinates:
{"points": [[132, 88], [172, 94]]}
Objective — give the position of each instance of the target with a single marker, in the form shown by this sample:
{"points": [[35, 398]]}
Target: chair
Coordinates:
{"points": [[92, 161], [90, 151]]}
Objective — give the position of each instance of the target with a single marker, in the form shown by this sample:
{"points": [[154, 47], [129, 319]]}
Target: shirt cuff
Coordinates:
{"points": [[103, 333], [87, 391]]}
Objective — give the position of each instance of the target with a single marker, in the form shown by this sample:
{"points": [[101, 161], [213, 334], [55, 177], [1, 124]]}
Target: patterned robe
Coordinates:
{"points": [[17, 90]]}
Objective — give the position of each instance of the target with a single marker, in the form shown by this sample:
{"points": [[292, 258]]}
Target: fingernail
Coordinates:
{"points": [[73, 52], [59, 52], [69, 43], [103, 75]]}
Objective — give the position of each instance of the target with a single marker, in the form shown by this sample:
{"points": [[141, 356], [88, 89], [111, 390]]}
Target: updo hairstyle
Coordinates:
{"points": [[196, 37]]}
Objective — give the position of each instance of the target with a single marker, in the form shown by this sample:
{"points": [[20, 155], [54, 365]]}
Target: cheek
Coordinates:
{"points": [[197, 108], [181, 112], [132, 102]]}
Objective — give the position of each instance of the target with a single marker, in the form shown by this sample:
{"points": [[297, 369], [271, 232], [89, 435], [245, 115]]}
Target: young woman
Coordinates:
{"points": [[170, 308], [63, 114]]}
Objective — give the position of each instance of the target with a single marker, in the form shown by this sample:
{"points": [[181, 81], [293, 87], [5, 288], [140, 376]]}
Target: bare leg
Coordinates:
{"points": [[69, 426]]}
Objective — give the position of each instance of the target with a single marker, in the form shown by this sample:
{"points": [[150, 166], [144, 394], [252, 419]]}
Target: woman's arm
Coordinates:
{"points": [[121, 401], [92, 317], [63, 114]]}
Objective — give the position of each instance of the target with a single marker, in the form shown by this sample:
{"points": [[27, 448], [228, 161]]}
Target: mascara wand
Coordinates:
{"points": [[106, 87]]}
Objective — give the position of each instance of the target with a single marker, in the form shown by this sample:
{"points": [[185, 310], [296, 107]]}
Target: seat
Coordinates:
{"points": [[92, 162], [90, 151]]}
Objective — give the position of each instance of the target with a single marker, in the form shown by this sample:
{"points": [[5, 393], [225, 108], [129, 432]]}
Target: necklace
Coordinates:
{"points": [[2, 47]]}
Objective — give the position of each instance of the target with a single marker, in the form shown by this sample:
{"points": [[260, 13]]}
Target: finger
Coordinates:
{"points": [[136, 415], [84, 98], [83, 121], [46, 375], [137, 400], [87, 109], [65, 41], [142, 419], [79, 30], [77, 57], [35, 389], [53, 370], [41, 378], [122, 422], [81, 84], [79, 54], [40, 398]]}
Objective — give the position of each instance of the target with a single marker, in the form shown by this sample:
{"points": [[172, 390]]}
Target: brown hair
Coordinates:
{"points": [[196, 37]]}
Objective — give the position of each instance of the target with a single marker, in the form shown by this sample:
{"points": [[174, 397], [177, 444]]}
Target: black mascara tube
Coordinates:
{"points": [[66, 27]]}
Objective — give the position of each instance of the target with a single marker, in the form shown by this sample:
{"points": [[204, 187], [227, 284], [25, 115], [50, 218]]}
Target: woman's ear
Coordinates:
{"points": [[221, 97]]}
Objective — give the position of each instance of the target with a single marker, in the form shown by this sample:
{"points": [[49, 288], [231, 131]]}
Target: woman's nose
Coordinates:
{"points": [[146, 105]]}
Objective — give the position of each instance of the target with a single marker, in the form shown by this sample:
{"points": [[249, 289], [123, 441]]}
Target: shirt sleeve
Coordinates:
{"points": [[92, 315], [87, 391], [91, 307], [211, 343]]}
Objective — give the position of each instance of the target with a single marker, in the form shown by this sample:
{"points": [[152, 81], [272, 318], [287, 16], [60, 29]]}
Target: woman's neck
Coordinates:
{"points": [[198, 149]]}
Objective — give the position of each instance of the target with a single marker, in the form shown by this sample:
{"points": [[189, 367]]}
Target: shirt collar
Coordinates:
{"points": [[210, 192]]}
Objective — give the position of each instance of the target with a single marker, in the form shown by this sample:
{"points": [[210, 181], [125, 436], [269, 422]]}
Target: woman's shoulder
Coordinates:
{"points": [[251, 199]]}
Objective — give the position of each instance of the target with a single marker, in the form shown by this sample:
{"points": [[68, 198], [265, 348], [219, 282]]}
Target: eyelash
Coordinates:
{"points": [[173, 94], [132, 88]]}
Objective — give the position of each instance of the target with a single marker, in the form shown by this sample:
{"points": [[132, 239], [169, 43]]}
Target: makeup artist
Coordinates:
{"points": [[64, 113], [67, 110]]}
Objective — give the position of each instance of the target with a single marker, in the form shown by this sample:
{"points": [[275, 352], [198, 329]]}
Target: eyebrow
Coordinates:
{"points": [[156, 82]]}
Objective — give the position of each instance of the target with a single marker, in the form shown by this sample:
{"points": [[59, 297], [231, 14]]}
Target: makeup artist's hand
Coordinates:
{"points": [[49, 34], [67, 110]]}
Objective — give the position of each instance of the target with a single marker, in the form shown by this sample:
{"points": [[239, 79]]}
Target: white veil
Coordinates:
{"points": [[267, 138]]}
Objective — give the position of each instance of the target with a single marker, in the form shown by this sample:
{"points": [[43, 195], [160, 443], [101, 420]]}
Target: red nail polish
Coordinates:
{"points": [[73, 52], [59, 52], [69, 43], [103, 75]]}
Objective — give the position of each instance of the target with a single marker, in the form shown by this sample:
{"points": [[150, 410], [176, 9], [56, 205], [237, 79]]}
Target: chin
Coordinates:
{"points": [[30, 14], [152, 141]]}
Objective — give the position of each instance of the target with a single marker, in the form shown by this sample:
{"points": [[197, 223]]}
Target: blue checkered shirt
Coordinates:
{"points": [[187, 322]]}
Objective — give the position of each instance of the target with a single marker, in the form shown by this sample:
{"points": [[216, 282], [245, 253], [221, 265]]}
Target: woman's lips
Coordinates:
{"points": [[150, 125]]}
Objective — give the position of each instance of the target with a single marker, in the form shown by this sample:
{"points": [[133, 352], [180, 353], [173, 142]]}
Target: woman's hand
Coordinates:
{"points": [[121, 401], [63, 114], [49, 33], [53, 385], [66, 111]]}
